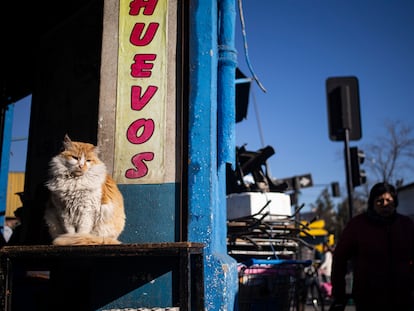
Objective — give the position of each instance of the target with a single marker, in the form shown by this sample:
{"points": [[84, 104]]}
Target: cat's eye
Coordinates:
{"points": [[75, 158]]}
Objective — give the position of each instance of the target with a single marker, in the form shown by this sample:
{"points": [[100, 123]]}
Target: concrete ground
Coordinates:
{"points": [[348, 308]]}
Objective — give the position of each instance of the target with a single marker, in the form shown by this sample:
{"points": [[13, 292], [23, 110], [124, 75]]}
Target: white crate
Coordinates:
{"points": [[249, 203]]}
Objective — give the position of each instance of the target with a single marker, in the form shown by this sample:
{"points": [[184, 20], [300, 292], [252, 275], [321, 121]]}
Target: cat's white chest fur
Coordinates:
{"points": [[78, 201]]}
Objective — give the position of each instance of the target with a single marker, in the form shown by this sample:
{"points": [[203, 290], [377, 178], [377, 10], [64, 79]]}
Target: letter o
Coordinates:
{"points": [[140, 131]]}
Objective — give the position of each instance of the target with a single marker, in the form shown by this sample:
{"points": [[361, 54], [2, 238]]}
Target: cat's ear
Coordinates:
{"points": [[67, 143]]}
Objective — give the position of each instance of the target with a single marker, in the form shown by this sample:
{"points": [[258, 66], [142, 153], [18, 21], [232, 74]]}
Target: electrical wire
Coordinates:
{"points": [[246, 50], [246, 53], [259, 124]]}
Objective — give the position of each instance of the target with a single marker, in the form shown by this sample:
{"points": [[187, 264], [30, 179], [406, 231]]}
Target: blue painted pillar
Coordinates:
{"points": [[5, 160], [226, 83], [211, 125]]}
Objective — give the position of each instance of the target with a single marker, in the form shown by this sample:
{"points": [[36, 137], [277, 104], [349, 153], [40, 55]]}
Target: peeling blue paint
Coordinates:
{"points": [[211, 143]]}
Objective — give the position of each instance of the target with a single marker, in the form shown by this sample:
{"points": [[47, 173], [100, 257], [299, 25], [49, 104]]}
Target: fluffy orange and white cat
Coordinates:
{"points": [[85, 205]]}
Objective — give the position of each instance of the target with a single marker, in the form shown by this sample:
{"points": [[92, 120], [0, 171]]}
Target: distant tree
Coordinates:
{"points": [[391, 155], [324, 208], [342, 217], [336, 216], [388, 158]]}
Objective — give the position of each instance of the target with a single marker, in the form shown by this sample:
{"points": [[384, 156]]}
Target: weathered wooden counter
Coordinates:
{"points": [[91, 277]]}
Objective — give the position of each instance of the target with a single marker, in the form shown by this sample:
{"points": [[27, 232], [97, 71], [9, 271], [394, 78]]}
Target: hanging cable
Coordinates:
{"points": [[246, 53], [259, 124]]}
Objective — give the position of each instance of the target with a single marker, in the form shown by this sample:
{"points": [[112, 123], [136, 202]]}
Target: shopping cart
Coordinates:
{"points": [[269, 284]]}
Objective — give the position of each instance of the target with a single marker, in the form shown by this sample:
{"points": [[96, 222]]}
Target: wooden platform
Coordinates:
{"points": [[87, 278]]}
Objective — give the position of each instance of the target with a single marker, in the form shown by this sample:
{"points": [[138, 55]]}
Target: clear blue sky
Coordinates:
{"points": [[20, 133], [294, 46]]}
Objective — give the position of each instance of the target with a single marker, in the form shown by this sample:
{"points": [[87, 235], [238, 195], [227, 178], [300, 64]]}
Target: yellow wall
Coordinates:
{"points": [[15, 184]]}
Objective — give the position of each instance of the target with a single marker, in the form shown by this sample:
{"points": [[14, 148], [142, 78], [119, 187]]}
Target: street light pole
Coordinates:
{"points": [[348, 173]]}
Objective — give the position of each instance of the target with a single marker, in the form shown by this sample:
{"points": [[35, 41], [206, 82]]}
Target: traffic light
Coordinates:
{"points": [[343, 108], [359, 176], [336, 192]]}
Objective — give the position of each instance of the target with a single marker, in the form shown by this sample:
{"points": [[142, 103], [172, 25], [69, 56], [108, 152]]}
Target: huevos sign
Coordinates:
{"points": [[141, 92]]}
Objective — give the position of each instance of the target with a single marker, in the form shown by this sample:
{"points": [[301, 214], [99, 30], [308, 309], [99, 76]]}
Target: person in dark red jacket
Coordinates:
{"points": [[379, 244]]}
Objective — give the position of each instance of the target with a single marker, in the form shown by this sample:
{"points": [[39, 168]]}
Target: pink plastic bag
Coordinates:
{"points": [[327, 288]]}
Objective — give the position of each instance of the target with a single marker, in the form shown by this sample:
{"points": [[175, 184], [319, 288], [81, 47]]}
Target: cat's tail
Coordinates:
{"points": [[83, 239]]}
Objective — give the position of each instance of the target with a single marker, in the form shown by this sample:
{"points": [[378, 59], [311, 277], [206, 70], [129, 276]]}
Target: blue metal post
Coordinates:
{"points": [[5, 157], [226, 109], [211, 143], [226, 83]]}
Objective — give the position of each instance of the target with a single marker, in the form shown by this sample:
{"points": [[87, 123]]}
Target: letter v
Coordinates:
{"points": [[137, 101]]}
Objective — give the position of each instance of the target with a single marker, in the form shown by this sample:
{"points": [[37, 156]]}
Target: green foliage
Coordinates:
{"points": [[336, 217], [324, 209]]}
